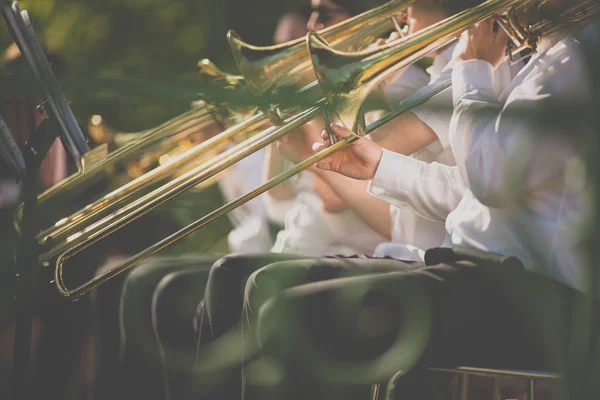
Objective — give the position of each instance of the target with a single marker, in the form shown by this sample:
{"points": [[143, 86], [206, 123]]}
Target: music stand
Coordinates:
{"points": [[61, 123]]}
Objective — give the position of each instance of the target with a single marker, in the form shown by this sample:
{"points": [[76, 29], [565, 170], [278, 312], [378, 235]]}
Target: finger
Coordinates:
{"points": [[324, 163], [339, 131], [379, 42], [318, 146], [324, 134]]}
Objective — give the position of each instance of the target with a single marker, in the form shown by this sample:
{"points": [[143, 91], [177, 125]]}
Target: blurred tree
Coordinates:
{"points": [[134, 60]]}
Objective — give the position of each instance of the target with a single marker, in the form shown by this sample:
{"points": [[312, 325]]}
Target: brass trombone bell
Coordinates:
{"points": [[265, 68]]}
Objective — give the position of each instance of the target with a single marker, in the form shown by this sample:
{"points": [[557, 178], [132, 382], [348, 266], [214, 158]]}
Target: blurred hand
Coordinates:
{"points": [[481, 43], [359, 160]]}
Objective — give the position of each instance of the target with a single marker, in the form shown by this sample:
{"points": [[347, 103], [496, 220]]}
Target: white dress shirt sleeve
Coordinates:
{"points": [[431, 190], [411, 80]]}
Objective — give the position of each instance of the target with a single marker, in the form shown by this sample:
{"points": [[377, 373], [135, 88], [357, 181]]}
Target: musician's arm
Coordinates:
{"points": [[275, 163], [431, 190], [329, 198], [405, 134], [374, 212]]}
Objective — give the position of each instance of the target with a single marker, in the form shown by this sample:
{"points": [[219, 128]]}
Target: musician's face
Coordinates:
{"points": [[325, 13]]}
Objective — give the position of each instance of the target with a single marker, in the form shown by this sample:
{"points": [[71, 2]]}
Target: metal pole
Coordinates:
{"points": [[37, 147]]}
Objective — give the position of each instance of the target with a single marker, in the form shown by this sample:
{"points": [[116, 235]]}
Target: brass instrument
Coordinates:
{"points": [[265, 68], [65, 232], [359, 71], [165, 136], [348, 78], [231, 90]]}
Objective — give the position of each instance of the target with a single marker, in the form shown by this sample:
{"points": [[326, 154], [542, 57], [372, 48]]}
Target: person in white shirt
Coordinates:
{"points": [[411, 234], [220, 310], [497, 293]]}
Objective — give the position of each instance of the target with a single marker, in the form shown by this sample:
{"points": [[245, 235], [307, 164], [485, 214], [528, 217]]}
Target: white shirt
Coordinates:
{"points": [[251, 231], [311, 230], [518, 188], [412, 234]]}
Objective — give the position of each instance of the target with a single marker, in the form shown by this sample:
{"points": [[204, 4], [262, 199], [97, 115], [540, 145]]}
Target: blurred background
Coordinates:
{"points": [[134, 61]]}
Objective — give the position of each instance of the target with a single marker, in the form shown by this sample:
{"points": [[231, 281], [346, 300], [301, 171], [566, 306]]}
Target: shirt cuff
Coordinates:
{"points": [[472, 77], [394, 177]]}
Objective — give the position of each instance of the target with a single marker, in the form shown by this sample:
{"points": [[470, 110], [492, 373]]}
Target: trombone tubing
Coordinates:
{"points": [[277, 133], [359, 31], [363, 70], [66, 228], [113, 158], [114, 199], [366, 25]]}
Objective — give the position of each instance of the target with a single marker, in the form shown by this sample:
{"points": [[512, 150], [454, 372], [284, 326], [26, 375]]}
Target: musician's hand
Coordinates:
{"points": [[481, 43], [359, 160]]}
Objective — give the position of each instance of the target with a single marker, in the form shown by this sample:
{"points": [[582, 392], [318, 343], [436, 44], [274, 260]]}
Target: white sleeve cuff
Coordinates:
{"points": [[472, 77], [394, 177]]}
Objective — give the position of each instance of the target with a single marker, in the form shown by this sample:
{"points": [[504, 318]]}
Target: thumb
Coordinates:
{"points": [[339, 131]]}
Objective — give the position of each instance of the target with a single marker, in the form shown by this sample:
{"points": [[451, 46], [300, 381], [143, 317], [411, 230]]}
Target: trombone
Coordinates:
{"points": [[65, 232], [269, 67], [167, 135], [366, 68], [348, 78]]}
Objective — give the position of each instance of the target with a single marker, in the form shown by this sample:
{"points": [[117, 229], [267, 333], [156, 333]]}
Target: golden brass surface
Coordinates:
{"points": [[289, 64]]}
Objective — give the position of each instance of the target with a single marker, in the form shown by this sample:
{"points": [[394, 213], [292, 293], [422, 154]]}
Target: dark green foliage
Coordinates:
{"points": [[134, 61]]}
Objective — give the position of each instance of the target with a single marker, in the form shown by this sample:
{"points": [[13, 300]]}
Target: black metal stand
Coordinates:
{"points": [[26, 258]]}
